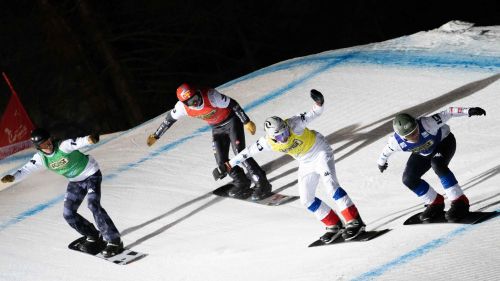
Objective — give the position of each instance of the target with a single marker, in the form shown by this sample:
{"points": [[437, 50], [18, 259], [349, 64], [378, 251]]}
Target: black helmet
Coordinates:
{"points": [[39, 136]]}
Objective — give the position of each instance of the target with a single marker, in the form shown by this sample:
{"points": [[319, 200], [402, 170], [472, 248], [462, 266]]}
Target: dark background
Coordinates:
{"points": [[104, 66]]}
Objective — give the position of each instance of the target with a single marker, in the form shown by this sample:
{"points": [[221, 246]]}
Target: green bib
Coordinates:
{"points": [[69, 165]]}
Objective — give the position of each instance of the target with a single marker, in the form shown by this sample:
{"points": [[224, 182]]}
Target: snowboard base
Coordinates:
{"points": [[471, 218], [362, 237], [274, 199], [125, 257]]}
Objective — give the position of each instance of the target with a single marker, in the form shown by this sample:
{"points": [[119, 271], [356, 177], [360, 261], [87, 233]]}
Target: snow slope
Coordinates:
{"points": [[160, 197]]}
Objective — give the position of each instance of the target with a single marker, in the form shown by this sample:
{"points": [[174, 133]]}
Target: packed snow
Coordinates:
{"points": [[161, 199]]}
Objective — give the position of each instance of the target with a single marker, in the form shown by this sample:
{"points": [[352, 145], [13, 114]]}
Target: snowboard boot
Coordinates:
{"points": [[433, 210], [240, 190], [114, 247], [458, 210], [261, 190], [241, 184], [332, 233], [353, 228], [91, 244]]}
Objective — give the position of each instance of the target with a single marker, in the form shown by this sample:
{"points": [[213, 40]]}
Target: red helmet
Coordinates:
{"points": [[185, 92]]}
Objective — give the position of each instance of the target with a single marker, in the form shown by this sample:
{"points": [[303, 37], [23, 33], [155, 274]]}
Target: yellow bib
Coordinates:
{"points": [[297, 145]]}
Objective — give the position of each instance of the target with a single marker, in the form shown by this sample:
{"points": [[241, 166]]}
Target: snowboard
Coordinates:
{"points": [[274, 199], [123, 258], [362, 237], [471, 218]]}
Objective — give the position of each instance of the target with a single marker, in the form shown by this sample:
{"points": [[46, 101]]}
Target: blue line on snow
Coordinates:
{"points": [[386, 58], [37, 209], [325, 61], [31, 212], [414, 254], [263, 100]]}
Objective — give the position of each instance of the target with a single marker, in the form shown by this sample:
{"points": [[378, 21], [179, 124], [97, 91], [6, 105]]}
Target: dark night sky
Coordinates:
{"points": [[86, 66]]}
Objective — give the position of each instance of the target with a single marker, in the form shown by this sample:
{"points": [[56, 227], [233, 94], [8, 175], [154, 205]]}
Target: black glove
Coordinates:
{"points": [[317, 97], [94, 138], [220, 172], [476, 111], [382, 167]]}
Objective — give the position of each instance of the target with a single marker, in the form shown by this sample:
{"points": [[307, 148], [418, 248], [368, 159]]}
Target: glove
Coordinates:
{"points": [[94, 138], [476, 111], [317, 97], [250, 126], [8, 178], [382, 167], [221, 171], [151, 140]]}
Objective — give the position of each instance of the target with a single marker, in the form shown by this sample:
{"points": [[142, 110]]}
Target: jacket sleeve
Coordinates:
{"points": [[391, 147], [165, 125], [220, 100], [300, 121], [251, 150], [33, 165], [434, 122], [74, 144], [236, 108]]}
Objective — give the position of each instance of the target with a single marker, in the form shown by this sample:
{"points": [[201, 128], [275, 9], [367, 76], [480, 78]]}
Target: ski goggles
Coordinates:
{"points": [[412, 135], [283, 136], [194, 101]]}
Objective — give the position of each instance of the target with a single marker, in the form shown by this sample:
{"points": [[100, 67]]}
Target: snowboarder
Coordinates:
{"points": [[431, 145], [227, 120], [316, 160], [84, 175]]}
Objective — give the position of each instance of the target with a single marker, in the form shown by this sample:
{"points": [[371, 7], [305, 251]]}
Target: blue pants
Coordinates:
{"points": [[75, 193]]}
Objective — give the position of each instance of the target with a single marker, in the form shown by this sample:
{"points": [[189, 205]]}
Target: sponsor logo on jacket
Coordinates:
{"points": [[59, 164], [296, 143]]}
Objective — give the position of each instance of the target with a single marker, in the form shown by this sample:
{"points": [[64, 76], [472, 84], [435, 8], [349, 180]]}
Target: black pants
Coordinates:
{"points": [[231, 133], [418, 165]]}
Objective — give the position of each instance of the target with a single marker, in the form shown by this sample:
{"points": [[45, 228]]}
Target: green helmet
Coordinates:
{"points": [[404, 124]]}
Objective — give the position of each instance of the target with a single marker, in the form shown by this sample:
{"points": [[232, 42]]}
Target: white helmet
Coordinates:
{"points": [[276, 129]]}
